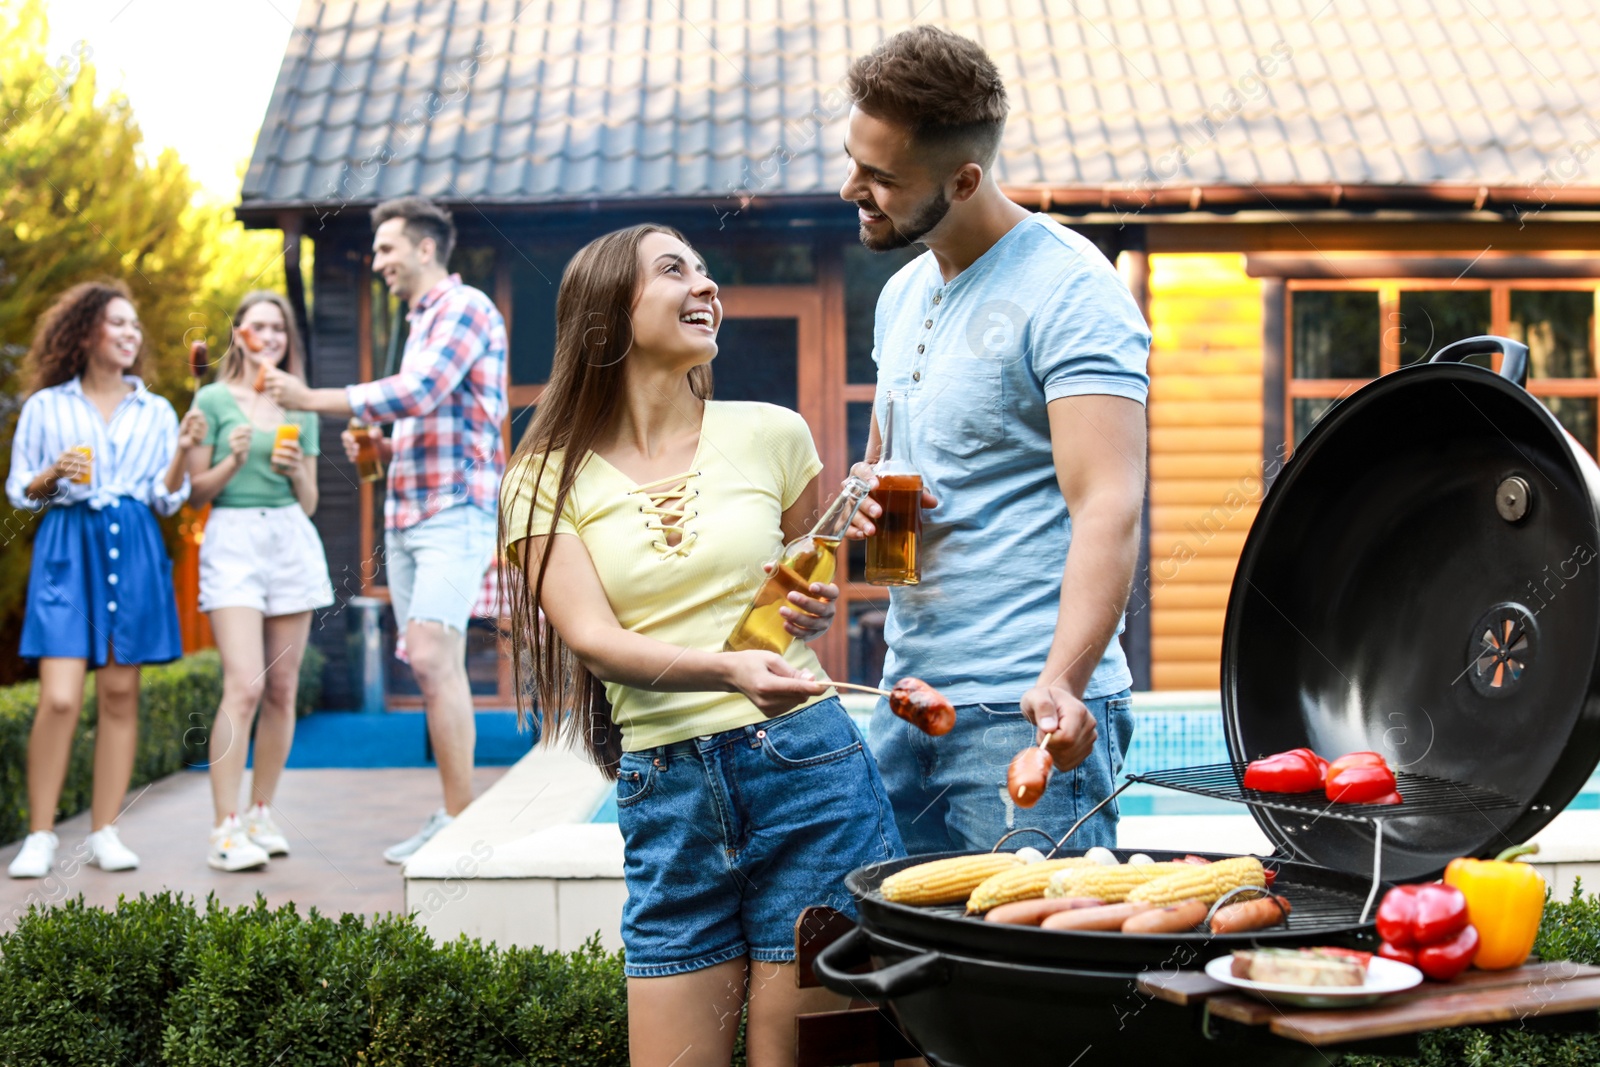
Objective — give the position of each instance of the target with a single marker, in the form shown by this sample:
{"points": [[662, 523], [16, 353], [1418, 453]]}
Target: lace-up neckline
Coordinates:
{"points": [[668, 508]]}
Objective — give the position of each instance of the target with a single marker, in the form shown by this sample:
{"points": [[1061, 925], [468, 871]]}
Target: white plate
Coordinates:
{"points": [[1383, 978]]}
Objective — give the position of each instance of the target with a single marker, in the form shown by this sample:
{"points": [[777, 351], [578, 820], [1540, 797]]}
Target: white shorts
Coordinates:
{"points": [[270, 559]]}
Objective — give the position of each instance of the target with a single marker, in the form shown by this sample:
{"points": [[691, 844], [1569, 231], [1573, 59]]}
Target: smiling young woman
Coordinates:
{"points": [[262, 571], [638, 514], [101, 456]]}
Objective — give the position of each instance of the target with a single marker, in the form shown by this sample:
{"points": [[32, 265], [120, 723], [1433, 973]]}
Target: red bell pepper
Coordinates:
{"points": [[1426, 926], [1361, 783], [1412, 915], [1299, 770], [1446, 959], [1353, 759], [1401, 955]]}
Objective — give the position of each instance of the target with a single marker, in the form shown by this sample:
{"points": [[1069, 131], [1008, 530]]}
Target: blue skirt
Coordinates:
{"points": [[101, 580]]}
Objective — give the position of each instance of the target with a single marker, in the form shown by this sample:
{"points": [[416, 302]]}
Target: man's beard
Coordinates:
{"points": [[926, 217]]}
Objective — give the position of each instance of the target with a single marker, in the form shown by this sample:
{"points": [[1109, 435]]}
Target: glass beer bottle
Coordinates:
{"points": [[892, 548], [805, 560]]}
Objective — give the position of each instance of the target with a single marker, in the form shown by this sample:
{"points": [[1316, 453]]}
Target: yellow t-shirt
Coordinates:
{"points": [[753, 462]]}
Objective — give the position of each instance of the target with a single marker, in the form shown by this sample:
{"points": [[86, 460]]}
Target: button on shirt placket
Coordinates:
{"points": [[922, 349]]}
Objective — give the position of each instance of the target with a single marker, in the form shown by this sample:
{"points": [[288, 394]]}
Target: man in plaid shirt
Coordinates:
{"points": [[445, 457]]}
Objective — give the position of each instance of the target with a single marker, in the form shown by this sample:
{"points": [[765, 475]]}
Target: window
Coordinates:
{"points": [[1344, 334]]}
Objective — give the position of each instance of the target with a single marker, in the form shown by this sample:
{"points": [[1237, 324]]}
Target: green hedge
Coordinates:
{"points": [[159, 982], [177, 702]]}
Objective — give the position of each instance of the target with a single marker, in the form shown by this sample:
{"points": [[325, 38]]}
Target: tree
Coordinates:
{"points": [[77, 202]]}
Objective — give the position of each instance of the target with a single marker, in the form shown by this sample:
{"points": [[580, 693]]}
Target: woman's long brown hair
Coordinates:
{"points": [[68, 329], [234, 359], [594, 334]]}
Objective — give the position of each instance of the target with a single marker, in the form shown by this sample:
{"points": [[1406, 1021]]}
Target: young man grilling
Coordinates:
{"points": [[1023, 355]]}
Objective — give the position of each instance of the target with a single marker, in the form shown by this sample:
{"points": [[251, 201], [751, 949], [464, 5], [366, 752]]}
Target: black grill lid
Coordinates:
{"points": [[1423, 580]]}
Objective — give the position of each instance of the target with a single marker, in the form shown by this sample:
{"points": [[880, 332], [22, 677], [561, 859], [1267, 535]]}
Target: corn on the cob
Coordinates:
{"points": [[1206, 882], [1110, 884], [947, 881], [1019, 883]]}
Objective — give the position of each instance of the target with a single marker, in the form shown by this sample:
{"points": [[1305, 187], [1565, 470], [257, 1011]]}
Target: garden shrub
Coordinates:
{"points": [[177, 702]]}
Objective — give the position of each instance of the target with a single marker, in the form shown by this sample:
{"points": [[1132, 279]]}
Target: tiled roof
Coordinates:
{"points": [[498, 100]]}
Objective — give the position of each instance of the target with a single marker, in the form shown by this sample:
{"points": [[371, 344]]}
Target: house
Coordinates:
{"points": [[1302, 194]]}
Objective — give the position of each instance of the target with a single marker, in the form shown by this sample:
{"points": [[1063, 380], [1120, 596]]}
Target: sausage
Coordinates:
{"points": [[1249, 915], [923, 706], [1028, 775], [1173, 919], [1033, 912], [1105, 917]]}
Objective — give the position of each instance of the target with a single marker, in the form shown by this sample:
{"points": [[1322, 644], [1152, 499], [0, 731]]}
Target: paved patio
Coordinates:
{"points": [[338, 823]]}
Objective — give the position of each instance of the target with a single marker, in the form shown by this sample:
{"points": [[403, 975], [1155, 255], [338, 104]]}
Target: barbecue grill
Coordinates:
{"points": [[1417, 582]]}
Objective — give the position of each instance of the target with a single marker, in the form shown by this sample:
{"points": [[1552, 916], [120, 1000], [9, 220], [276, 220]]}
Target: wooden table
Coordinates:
{"points": [[1534, 991]]}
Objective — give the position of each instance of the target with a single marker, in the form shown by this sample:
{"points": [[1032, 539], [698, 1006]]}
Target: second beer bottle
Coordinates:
{"points": [[892, 548], [808, 559]]}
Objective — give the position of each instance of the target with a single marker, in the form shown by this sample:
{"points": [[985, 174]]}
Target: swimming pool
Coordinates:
{"points": [[1169, 731]]}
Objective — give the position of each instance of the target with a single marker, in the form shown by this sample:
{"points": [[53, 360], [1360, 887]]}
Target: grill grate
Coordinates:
{"points": [[1424, 794]]}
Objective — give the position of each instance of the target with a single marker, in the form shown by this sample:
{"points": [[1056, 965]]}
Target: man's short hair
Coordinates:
{"points": [[423, 218], [942, 87]]}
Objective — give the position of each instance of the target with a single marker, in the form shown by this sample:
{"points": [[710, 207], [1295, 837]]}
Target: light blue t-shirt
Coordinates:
{"points": [[1039, 316]]}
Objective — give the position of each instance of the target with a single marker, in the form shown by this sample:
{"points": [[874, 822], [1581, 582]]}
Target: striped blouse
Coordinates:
{"points": [[131, 453]]}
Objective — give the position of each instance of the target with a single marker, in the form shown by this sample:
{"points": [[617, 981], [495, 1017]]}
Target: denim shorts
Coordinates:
{"points": [[729, 837], [949, 793], [436, 567]]}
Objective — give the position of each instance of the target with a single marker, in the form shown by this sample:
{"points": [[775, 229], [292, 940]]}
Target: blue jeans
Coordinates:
{"points": [[727, 838], [949, 793]]}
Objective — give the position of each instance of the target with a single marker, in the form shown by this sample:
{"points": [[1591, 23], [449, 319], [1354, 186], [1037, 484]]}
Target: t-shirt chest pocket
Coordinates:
{"points": [[963, 403]]}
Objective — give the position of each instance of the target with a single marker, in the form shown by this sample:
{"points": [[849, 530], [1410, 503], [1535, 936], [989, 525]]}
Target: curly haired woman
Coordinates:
{"points": [[101, 456]]}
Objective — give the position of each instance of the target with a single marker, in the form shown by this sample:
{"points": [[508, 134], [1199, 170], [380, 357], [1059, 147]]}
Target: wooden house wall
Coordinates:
{"points": [[1205, 455]]}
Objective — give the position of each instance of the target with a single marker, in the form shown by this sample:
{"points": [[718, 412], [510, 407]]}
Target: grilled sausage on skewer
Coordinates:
{"points": [[1028, 775], [923, 706]]}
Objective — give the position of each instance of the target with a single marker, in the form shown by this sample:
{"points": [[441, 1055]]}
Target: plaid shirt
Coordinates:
{"points": [[447, 404]]}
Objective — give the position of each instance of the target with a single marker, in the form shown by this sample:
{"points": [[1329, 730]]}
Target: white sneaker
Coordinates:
{"points": [[107, 851], [405, 849], [232, 849], [260, 828], [38, 855]]}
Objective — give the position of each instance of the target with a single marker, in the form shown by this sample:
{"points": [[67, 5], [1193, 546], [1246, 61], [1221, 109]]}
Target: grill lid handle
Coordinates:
{"points": [[834, 963], [1513, 355]]}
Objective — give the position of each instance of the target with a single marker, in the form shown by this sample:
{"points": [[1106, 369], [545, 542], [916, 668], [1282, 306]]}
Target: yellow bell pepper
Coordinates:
{"points": [[1505, 901]]}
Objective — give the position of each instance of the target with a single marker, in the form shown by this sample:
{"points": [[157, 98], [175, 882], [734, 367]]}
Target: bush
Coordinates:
{"points": [[158, 983], [177, 702]]}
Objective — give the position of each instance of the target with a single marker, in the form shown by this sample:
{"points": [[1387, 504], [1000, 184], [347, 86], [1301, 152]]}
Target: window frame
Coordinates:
{"points": [[1389, 290]]}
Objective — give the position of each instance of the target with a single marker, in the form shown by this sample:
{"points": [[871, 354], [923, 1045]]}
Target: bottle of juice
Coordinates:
{"points": [[811, 558], [892, 548]]}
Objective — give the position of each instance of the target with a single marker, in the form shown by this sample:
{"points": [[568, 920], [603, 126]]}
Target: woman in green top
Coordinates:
{"points": [[262, 570]]}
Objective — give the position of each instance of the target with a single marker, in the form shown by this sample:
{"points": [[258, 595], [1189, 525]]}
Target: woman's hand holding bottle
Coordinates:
{"points": [[769, 681], [808, 617]]}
